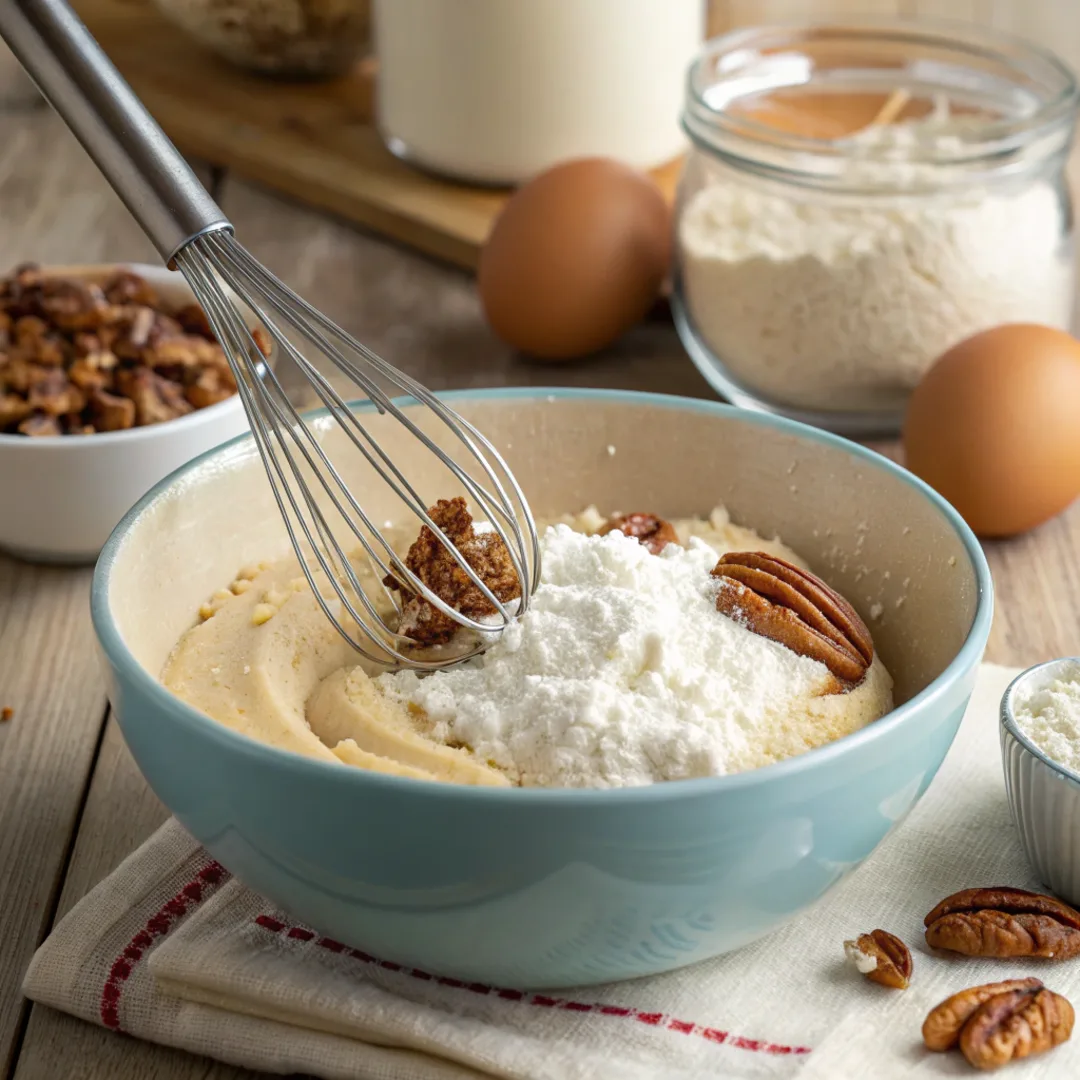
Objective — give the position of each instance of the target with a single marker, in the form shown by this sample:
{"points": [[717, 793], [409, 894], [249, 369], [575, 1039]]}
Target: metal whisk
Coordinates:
{"points": [[193, 235]]}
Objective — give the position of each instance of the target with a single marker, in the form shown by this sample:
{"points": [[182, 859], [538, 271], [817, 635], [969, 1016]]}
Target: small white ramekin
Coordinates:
{"points": [[1044, 795], [61, 496]]}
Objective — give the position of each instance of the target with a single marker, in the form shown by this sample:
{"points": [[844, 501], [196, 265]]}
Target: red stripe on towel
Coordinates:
{"points": [[543, 1001], [158, 925]]}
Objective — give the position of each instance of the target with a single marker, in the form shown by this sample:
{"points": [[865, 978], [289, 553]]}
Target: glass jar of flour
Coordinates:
{"points": [[494, 91], [858, 199]]}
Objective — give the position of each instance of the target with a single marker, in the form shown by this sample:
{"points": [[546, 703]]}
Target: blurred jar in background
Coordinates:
{"points": [[495, 91], [861, 197], [287, 39]]}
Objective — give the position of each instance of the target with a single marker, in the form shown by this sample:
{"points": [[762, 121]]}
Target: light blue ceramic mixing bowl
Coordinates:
{"points": [[545, 888]]}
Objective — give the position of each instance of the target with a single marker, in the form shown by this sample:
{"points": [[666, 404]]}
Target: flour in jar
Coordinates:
{"points": [[623, 673], [824, 300]]}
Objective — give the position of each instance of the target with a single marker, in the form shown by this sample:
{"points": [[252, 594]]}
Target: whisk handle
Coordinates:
{"points": [[123, 139]]}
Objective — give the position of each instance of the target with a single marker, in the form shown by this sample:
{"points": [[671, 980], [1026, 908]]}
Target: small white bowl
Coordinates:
{"points": [[61, 496], [1043, 794]]}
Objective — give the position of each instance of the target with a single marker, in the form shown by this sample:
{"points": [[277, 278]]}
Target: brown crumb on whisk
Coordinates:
{"points": [[437, 569]]}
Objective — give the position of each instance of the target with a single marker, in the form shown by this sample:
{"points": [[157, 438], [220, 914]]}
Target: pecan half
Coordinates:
{"points": [[882, 957], [1015, 1025], [943, 1024], [649, 530], [1004, 922], [779, 601]]}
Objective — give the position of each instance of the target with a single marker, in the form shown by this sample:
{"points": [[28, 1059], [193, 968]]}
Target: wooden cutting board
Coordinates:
{"points": [[312, 141]]}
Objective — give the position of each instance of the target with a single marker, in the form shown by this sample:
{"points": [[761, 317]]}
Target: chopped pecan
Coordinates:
{"points": [[779, 601], [13, 410], [262, 341], [882, 957], [111, 412], [210, 386], [54, 394], [92, 372], [36, 342], [1003, 922], [70, 304], [156, 399], [40, 424], [128, 288], [1015, 1025], [193, 320], [429, 560], [138, 334], [18, 374], [182, 352], [943, 1024], [650, 531]]}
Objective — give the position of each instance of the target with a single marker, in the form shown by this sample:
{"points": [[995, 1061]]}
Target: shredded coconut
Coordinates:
{"points": [[1050, 718], [622, 672], [827, 301]]}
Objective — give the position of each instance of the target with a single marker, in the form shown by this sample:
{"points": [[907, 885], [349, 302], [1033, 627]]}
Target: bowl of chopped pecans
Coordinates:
{"points": [[110, 378]]}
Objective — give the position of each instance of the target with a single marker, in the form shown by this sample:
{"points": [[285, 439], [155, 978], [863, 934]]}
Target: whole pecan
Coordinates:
{"points": [[780, 601], [943, 1024], [882, 957], [649, 530], [1015, 1025], [1004, 922]]}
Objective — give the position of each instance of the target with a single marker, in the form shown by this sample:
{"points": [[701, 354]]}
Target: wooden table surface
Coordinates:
{"points": [[72, 803]]}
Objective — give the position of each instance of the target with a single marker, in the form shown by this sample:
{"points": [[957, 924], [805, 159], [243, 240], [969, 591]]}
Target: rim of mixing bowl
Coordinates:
{"points": [[1007, 715], [190, 718], [756, 60]]}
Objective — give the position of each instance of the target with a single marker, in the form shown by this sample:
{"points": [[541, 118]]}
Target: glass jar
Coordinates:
{"points": [[286, 39], [861, 197], [495, 91]]}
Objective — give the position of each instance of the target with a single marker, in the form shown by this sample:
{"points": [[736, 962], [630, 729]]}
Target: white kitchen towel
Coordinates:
{"points": [[170, 949]]}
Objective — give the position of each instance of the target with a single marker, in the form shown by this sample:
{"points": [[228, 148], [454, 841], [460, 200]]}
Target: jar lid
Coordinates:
{"points": [[915, 103]]}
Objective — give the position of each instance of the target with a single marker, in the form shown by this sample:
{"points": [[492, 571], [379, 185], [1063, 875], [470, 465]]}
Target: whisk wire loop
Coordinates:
{"points": [[333, 564], [339, 409], [285, 303], [286, 442]]}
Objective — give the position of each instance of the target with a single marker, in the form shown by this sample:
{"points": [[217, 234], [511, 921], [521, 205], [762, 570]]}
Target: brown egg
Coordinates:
{"points": [[576, 257], [993, 426]]}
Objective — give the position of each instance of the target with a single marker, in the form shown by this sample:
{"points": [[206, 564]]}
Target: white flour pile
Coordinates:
{"points": [[843, 301], [623, 672], [1050, 718]]}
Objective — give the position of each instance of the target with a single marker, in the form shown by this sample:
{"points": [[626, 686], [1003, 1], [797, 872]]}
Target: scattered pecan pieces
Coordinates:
{"points": [[779, 601], [882, 957], [1000, 1022], [429, 560], [1004, 922], [650, 531], [78, 358]]}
